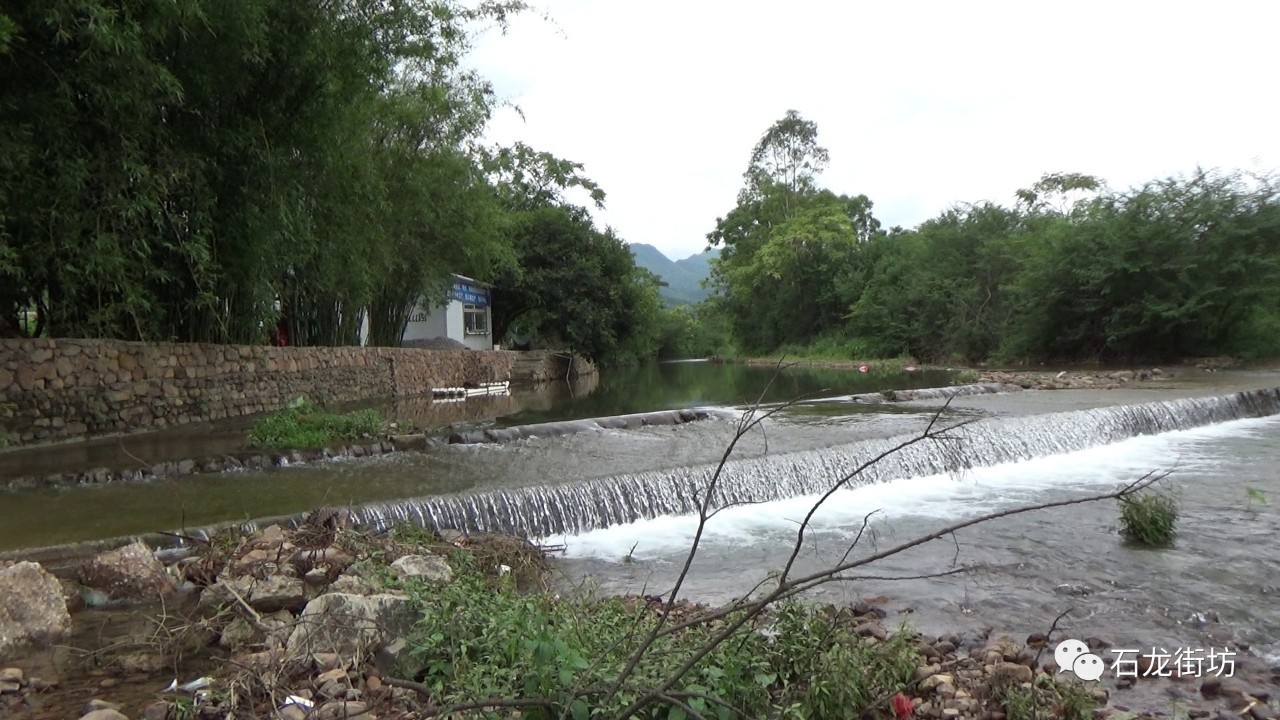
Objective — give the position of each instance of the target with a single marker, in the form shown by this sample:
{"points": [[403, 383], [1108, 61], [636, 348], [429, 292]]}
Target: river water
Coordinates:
{"points": [[620, 500]]}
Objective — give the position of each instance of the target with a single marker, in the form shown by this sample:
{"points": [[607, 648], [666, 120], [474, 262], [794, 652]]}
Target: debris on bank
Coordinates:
{"points": [[320, 621]]}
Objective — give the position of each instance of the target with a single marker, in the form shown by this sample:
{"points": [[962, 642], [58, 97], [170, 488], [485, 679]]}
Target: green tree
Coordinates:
{"points": [[1175, 267], [192, 171], [791, 249], [575, 287]]}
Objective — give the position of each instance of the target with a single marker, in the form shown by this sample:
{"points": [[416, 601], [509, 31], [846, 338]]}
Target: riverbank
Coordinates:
{"points": [[325, 622], [1069, 379]]}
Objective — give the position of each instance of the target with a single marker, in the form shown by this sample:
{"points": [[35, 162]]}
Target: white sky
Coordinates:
{"points": [[921, 104]]}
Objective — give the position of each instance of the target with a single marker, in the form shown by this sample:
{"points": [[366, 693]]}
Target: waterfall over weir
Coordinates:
{"points": [[572, 508]]}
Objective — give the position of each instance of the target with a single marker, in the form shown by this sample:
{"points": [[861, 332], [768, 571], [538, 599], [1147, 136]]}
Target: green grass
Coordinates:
{"points": [[479, 637], [1046, 699], [1149, 517], [302, 425], [829, 351]]}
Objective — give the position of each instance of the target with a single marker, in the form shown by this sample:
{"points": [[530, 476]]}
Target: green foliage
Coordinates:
{"points": [[1257, 336], [1256, 496], [576, 287], [1072, 271], [302, 425], [1046, 699], [479, 638], [1149, 517], [197, 171], [693, 331]]}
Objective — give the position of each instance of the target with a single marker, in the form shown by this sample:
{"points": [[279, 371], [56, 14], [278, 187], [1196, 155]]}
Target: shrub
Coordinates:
{"points": [[1148, 517], [1045, 699], [303, 425], [478, 638]]}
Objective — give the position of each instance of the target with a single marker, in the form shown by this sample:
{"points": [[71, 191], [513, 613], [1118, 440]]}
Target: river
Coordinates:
{"points": [[620, 500]]}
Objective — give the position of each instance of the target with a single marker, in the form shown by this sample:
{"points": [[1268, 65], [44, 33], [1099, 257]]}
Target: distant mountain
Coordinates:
{"points": [[683, 277]]}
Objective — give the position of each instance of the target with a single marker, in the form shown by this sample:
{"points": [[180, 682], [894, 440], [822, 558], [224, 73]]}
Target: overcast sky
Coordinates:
{"points": [[921, 104]]}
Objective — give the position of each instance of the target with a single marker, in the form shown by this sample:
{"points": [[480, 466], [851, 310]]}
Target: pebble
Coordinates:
{"points": [[11, 675], [108, 683], [922, 673], [97, 704], [104, 714], [874, 630], [1013, 671], [338, 709], [335, 674]]}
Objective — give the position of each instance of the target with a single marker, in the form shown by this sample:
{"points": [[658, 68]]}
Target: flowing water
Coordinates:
{"points": [[42, 517], [623, 501], [1220, 581]]}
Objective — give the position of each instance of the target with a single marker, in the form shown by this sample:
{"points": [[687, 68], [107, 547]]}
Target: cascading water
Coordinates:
{"points": [[572, 508]]}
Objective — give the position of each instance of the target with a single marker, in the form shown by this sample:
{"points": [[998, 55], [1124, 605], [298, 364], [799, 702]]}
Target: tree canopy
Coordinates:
{"points": [[199, 171], [1072, 270]]}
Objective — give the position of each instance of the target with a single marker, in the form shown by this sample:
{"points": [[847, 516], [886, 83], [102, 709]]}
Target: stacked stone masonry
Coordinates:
{"points": [[69, 389]]}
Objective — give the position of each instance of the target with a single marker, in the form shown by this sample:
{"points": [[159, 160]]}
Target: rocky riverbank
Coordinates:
{"points": [[252, 459], [399, 440], [1073, 379], [324, 622]]}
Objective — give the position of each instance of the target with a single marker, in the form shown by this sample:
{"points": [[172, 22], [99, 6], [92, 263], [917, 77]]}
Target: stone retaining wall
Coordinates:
{"points": [[69, 389], [541, 366]]}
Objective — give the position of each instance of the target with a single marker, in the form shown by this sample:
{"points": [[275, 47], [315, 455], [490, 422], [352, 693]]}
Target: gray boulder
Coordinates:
{"points": [[33, 611], [430, 568], [267, 595], [352, 626], [128, 573]]}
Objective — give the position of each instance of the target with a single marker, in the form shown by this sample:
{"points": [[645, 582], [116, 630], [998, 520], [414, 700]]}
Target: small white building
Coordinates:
{"points": [[465, 316]]}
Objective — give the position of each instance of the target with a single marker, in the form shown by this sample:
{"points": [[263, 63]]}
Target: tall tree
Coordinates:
{"points": [[190, 171]]}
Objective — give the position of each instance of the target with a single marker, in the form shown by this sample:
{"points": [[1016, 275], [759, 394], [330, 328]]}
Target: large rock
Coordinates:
{"points": [[354, 585], [352, 626], [430, 568], [267, 595], [240, 634], [32, 608], [128, 573]]}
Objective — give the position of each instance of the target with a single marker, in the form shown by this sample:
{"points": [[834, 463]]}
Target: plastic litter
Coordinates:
{"points": [[197, 684]]}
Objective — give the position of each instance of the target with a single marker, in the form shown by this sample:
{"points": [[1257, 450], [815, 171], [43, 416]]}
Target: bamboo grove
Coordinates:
{"points": [[197, 171]]}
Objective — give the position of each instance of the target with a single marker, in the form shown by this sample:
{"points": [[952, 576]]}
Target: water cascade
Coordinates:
{"points": [[568, 427], [571, 508], [939, 393]]}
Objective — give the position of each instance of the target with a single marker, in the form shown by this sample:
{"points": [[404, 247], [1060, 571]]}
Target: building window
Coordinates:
{"points": [[475, 319]]}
